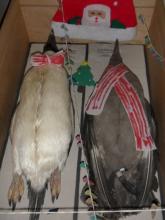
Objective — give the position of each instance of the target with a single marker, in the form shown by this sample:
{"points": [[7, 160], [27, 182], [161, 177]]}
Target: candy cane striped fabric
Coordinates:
{"points": [[102, 90], [136, 114], [40, 59], [114, 78]]}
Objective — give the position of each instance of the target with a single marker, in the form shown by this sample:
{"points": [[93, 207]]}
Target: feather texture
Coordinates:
{"points": [[42, 128]]}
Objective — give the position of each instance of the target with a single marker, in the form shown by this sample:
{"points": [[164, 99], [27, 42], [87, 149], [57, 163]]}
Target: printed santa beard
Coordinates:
{"points": [[96, 15]]}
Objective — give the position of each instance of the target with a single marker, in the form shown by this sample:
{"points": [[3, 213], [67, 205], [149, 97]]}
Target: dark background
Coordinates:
{"points": [[3, 8]]}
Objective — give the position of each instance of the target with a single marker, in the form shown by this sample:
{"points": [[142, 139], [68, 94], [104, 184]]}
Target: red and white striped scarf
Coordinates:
{"points": [[114, 78], [39, 59]]}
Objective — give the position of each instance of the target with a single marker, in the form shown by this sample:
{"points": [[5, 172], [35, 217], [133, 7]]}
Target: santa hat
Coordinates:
{"points": [[101, 20]]}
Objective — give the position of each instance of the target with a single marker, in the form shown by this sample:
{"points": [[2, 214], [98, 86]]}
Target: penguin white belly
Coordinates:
{"points": [[42, 127]]}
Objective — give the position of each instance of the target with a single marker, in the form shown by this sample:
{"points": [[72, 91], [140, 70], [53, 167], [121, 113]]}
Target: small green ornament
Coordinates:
{"points": [[83, 76], [83, 164], [89, 193]]}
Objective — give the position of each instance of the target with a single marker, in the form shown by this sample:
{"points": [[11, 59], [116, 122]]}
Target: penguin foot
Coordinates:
{"points": [[55, 184], [16, 191]]}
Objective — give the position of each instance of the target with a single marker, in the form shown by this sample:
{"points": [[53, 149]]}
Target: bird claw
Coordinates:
{"points": [[16, 191], [55, 184], [53, 198], [19, 198], [9, 202], [13, 206]]}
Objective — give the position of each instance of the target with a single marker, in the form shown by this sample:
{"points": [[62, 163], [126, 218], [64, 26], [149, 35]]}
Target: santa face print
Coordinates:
{"points": [[96, 14]]}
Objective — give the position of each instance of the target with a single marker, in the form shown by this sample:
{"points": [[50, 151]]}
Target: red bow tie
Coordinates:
{"points": [[39, 59]]}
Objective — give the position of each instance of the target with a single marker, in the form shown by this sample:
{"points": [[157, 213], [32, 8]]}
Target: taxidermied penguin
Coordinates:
{"points": [[119, 133], [41, 129]]}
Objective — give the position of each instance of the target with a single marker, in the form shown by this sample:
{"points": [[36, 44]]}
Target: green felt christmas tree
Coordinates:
{"points": [[83, 76]]}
